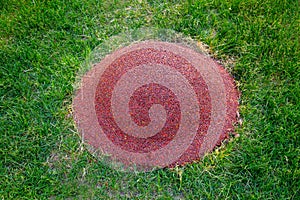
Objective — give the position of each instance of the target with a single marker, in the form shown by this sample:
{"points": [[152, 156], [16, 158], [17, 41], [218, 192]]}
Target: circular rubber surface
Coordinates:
{"points": [[155, 104]]}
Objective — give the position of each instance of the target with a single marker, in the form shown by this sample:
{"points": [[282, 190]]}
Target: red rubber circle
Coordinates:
{"points": [[155, 104]]}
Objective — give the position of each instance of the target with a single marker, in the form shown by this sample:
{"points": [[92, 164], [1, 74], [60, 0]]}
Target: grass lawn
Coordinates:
{"points": [[42, 47]]}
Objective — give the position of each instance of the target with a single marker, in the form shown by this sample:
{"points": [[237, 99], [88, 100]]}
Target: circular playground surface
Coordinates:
{"points": [[155, 104]]}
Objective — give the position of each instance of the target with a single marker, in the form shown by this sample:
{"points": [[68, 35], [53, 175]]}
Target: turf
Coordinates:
{"points": [[44, 43]]}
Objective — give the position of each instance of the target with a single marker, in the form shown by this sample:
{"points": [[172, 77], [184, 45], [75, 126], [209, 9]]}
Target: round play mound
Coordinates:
{"points": [[155, 104]]}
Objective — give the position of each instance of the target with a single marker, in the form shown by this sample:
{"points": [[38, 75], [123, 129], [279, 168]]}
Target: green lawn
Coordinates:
{"points": [[42, 47]]}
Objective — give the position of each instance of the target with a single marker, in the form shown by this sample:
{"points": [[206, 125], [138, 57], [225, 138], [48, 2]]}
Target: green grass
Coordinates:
{"points": [[44, 43]]}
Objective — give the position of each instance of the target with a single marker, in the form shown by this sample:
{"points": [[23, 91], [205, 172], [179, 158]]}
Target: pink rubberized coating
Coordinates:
{"points": [[155, 104]]}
